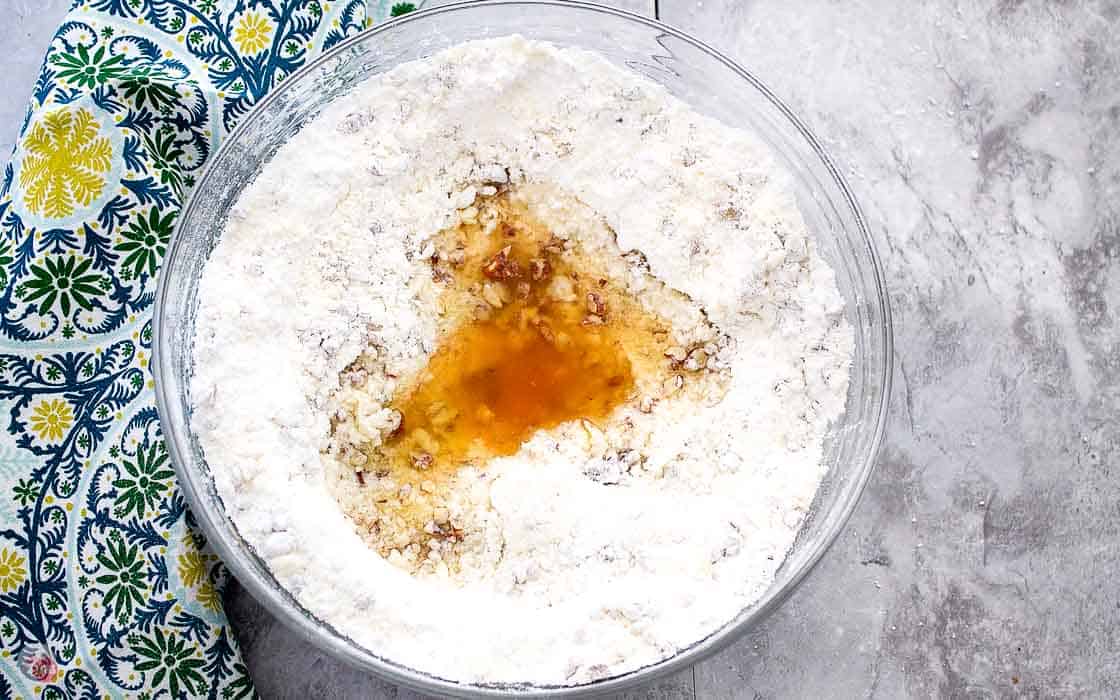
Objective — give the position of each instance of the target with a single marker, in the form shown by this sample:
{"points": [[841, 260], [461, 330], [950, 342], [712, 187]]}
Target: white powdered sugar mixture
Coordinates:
{"points": [[591, 551]]}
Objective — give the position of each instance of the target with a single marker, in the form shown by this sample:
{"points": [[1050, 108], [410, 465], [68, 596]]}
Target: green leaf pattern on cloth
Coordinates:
{"points": [[106, 588]]}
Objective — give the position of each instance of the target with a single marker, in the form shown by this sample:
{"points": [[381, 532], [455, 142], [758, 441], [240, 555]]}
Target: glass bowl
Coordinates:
{"points": [[696, 73]]}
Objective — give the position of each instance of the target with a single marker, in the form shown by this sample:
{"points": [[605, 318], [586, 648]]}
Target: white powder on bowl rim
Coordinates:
{"points": [[575, 576]]}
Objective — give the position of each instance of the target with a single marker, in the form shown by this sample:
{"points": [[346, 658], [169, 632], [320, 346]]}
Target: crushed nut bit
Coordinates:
{"points": [[501, 266], [596, 305], [592, 320], [523, 289], [696, 360], [483, 311], [457, 257], [598, 671], [357, 377], [730, 213], [672, 385], [555, 245], [676, 353], [422, 461], [394, 423], [636, 259], [645, 405], [539, 269]]}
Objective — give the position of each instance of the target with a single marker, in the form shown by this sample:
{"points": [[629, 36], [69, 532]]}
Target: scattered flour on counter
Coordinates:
{"points": [[593, 549]]}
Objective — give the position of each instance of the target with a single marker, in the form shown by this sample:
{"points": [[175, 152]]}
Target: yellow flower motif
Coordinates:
{"points": [[12, 572], [253, 33], [192, 568], [208, 596], [65, 164], [194, 571], [52, 419]]}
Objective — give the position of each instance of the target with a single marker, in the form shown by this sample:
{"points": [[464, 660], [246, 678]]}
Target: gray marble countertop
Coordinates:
{"points": [[983, 140]]}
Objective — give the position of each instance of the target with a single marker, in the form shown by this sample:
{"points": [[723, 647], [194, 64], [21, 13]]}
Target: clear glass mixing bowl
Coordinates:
{"points": [[694, 72]]}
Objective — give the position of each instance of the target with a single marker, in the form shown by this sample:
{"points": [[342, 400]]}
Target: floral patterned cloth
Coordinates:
{"points": [[106, 590]]}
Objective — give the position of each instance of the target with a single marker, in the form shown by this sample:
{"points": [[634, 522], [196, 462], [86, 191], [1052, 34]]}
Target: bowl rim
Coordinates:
{"points": [[295, 617]]}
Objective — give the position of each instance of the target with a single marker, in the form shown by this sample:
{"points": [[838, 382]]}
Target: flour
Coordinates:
{"points": [[595, 549]]}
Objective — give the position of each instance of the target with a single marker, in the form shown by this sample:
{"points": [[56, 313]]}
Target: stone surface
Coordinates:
{"points": [[983, 140]]}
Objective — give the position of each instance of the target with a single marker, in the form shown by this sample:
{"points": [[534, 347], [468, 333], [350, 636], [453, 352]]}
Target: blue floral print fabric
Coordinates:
{"points": [[106, 590]]}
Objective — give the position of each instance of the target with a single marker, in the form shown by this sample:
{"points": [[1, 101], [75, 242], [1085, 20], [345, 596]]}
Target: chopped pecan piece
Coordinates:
{"points": [[696, 361], [501, 266], [539, 269], [555, 245], [596, 305]]}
